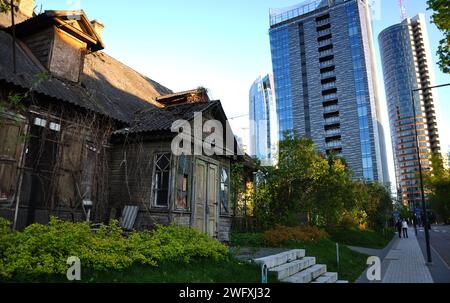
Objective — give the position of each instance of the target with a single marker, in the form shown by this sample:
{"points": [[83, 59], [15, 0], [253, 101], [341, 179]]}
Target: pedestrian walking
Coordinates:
{"points": [[398, 225], [405, 228]]}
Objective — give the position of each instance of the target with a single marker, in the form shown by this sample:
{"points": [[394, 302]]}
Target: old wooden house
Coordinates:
{"points": [[79, 128]]}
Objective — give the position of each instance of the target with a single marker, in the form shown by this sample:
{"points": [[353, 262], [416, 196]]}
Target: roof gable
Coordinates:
{"points": [[74, 23]]}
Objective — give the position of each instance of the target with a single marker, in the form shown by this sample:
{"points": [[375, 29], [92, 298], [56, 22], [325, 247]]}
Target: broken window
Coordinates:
{"points": [[224, 190], [161, 180], [41, 158], [183, 182]]}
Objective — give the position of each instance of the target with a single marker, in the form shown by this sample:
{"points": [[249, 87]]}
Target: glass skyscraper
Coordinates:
{"points": [[324, 73], [407, 65], [263, 121]]}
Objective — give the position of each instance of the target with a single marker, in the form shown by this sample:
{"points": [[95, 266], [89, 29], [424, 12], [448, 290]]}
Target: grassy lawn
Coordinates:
{"points": [[204, 271], [357, 237], [352, 264]]}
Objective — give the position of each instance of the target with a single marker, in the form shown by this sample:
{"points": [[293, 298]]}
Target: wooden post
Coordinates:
{"points": [[14, 36], [337, 255]]}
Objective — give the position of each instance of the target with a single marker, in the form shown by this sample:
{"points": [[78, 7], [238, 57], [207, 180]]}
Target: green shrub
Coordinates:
{"points": [[44, 249]]}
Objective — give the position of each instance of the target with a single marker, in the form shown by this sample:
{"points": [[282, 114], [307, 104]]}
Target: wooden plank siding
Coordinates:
{"points": [[131, 172]]}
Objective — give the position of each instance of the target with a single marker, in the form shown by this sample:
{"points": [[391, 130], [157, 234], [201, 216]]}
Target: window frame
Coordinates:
{"points": [[188, 191], [224, 209], [154, 195]]}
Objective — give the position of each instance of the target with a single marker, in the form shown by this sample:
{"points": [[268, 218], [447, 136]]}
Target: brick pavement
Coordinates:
{"points": [[406, 262]]}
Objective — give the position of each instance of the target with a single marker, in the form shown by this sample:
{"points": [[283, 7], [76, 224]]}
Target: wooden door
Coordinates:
{"points": [[212, 205], [200, 195], [206, 205]]}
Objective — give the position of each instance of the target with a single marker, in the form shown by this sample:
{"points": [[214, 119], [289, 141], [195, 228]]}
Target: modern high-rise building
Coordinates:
{"points": [[407, 65], [263, 121], [324, 73]]}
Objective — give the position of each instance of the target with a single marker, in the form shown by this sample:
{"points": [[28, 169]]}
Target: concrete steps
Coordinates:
{"points": [[294, 267], [328, 277], [282, 258], [289, 269]]}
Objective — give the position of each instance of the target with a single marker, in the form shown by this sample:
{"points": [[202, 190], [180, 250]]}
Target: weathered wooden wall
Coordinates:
{"points": [[131, 171], [67, 56], [41, 45]]}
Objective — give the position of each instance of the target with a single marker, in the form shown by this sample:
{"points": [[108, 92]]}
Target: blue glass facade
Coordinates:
{"points": [[361, 92], [403, 54], [279, 42], [324, 73], [263, 121]]}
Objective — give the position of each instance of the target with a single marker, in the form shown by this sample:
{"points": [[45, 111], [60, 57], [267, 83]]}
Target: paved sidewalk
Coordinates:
{"points": [[406, 262]]}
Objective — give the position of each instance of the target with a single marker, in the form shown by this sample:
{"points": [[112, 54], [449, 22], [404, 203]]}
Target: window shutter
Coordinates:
{"points": [[70, 167], [12, 129]]}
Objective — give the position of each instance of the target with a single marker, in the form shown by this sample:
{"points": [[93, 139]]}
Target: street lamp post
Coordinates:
{"points": [[422, 189]]}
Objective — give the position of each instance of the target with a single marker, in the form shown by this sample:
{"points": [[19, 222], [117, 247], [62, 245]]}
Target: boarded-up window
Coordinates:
{"points": [[183, 182], [11, 144], [70, 167]]}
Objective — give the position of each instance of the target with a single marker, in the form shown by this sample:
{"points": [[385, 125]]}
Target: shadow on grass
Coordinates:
{"points": [[201, 271]]}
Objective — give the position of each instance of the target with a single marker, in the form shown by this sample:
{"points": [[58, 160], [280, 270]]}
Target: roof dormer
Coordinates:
{"points": [[60, 40]]}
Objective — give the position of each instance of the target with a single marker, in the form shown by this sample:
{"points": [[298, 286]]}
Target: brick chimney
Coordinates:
{"points": [[26, 7], [98, 27]]}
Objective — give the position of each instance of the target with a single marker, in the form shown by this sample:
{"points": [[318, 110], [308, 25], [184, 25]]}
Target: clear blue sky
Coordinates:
{"points": [[222, 45]]}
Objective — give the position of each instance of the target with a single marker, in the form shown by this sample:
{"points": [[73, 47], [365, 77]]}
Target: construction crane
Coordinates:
{"points": [[403, 13]]}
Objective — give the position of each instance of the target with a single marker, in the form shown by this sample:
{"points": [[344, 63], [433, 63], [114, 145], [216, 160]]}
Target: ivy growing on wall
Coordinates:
{"points": [[4, 6]]}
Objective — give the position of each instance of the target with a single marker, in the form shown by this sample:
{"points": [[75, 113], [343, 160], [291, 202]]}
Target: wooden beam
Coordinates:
{"points": [[75, 31]]}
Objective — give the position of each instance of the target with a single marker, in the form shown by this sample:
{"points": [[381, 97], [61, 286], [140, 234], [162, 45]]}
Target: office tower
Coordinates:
{"points": [[324, 73], [407, 66], [263, 121]]}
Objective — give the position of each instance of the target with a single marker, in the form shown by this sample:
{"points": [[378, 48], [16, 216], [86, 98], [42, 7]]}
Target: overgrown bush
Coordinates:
{"points": [[282, 234], [44, 249]]}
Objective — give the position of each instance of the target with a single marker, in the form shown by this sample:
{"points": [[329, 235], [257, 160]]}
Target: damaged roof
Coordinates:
{"points": [[157, 119], [107, 86]]}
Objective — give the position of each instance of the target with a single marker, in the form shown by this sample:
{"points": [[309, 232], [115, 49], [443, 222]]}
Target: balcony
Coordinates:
{"points": [[326, 63], [323, 22], [328, 74], [325, 42], [329, 85], [324, 32], [331, 109], [328, 52], [330, 97], [333, 132], [334, 144], [332, 120]]}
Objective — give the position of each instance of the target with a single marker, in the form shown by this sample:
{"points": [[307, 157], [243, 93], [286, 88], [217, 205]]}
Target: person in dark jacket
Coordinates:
{"points": [[398, 225]]}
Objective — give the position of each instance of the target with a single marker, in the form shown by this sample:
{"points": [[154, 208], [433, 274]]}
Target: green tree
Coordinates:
{"points": [[437, 182], [441, 17], [4, 7], [333, 195]]}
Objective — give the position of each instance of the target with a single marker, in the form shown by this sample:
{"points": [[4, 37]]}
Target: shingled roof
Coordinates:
{"points": [[107, 86], [158, 120]]}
